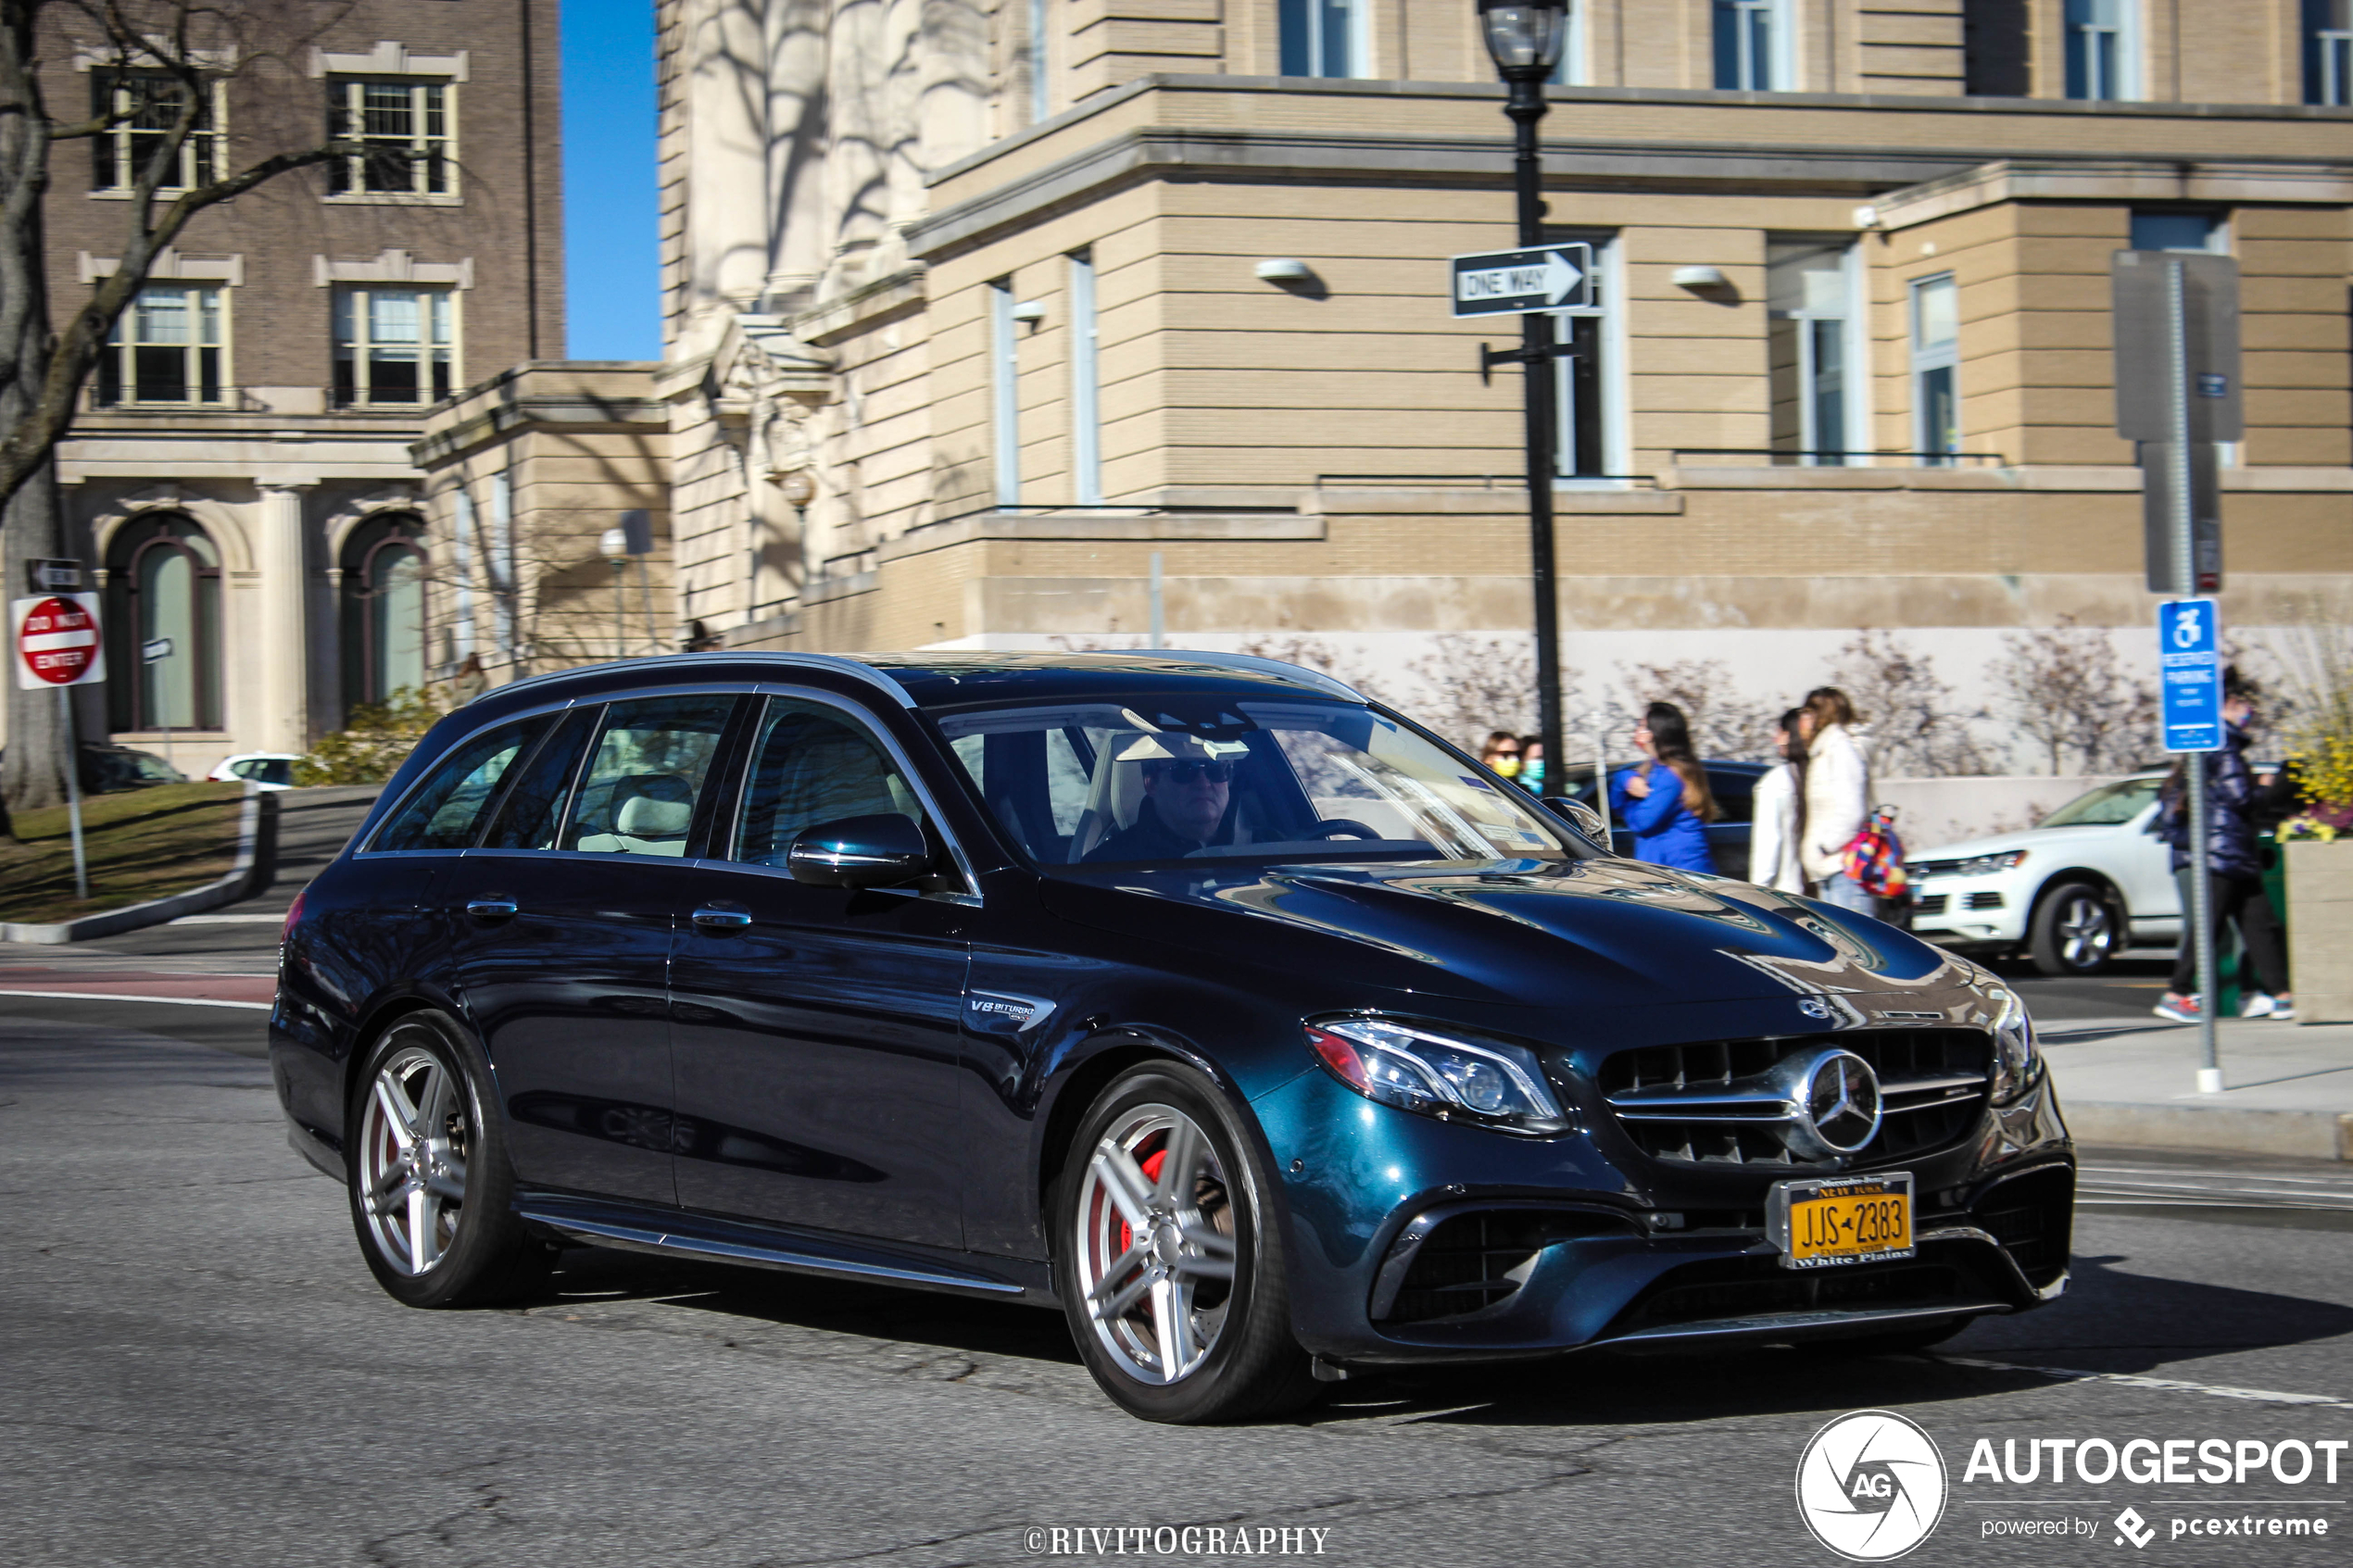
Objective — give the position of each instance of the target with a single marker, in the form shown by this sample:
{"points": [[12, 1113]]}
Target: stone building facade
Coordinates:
{"points": [[242, 462], [972, 339]]}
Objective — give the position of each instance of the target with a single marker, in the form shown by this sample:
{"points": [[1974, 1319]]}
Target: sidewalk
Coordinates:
{"points": [[2288, 1087]]}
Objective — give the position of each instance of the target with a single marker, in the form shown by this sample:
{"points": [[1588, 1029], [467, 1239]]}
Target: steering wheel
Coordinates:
{"points": [[1331, 826]]}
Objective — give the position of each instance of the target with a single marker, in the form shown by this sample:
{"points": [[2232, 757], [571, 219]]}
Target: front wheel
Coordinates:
{"points": [[2077, 930], [1170, 1263], [431, 1192]]}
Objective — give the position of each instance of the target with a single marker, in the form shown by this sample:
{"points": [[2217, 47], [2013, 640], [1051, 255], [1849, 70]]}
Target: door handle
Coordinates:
{"points": [[721, 917], [491, 908]]}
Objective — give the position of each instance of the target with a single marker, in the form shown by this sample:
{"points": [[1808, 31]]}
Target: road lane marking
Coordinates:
{"points": [[2161, 1384], [119, 997]]}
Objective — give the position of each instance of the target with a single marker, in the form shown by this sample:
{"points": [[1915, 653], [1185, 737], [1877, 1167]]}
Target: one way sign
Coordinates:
{"points": [[1506, 283]]}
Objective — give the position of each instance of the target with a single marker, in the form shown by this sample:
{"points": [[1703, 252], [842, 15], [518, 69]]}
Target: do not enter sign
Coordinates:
{"points": [[57, 642]]}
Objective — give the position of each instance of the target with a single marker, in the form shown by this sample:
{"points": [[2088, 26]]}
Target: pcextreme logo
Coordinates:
{"points": [[1870, 1486]]}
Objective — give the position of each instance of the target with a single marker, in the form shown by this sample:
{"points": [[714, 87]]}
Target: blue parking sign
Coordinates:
{"points": [[2189, 662]]}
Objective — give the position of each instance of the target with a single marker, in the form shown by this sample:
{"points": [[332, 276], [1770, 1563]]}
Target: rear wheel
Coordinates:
{"points": [[2077, 929], [432, 1191], [1171, 1266]]}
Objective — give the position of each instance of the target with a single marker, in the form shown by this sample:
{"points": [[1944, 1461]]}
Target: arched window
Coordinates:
{"points": [[163, 632], [383, 609]]}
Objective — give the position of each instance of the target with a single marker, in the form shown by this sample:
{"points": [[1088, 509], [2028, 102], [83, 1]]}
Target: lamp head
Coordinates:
{"points": [[1524, 37]]}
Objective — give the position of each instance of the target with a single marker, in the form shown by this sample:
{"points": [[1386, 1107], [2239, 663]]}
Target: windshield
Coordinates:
{"points": [[1157, 780], [2105, 807]]}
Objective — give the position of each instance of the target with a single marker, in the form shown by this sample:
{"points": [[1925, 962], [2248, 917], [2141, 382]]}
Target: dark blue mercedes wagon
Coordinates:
{"points": [[1263, 1032]]}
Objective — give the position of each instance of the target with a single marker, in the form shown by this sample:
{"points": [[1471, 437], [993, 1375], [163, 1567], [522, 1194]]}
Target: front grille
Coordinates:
{"points": [[1929, 904], [1474, 1260], [2033, 1218], [1984, 900], [1919, 868], [1710, 1103], [1740, 1287]]}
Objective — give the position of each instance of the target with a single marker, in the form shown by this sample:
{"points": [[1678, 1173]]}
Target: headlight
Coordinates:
{"points": [[2018, 1064], [1987, 865], [1488, 1082]]}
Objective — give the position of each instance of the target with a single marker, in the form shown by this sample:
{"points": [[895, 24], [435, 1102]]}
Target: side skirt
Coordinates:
{"points": [[675, 1233]]}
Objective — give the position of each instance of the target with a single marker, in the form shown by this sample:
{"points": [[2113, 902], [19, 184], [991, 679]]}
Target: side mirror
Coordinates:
{"points": [[875, 851], [1583, 818]]}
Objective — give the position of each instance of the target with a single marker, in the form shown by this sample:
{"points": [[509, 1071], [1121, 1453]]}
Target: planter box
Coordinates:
{"points": [[2319, 929]]}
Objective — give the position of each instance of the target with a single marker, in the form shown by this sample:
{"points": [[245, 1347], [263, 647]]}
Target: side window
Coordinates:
{"points": [[651, 762], [810, 765], [447, 810], [536, 803]]}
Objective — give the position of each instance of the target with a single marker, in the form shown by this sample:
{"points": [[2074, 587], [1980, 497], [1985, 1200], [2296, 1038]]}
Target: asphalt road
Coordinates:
{"points": [[199, 1370]]}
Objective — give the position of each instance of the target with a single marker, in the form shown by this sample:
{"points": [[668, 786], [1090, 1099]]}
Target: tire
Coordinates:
{"points": [[1203, 1292], [431, 1187], [2077, 929]]}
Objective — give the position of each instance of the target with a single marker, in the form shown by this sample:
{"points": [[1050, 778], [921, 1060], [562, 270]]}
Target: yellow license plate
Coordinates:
{"points": [[1823, 1224]]}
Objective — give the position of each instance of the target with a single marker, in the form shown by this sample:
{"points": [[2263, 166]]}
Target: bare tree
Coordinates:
{"points": [[1910, 721], [2068, 694], [1313, 653], [166, 55], [1724, 724], [1480, 684]]}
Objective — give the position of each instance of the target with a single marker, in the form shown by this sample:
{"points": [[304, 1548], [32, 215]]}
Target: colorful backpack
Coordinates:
{"points": [[1875, 858]]}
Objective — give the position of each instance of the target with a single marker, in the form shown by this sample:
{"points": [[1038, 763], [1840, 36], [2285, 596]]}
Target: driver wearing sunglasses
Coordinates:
{"points": [[1184, 805]]}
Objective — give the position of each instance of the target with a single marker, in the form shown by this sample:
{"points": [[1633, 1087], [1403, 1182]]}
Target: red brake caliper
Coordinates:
{"points": [[1150, 1167]]}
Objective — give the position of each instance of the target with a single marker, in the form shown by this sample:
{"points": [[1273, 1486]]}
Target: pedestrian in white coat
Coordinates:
{"points": [[1775, 819], [1838, 797]]}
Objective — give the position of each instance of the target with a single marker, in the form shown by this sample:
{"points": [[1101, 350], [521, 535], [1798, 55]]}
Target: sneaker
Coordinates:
{"points": [[2283, 1008], [2181, 1008], [2257, 1005]]}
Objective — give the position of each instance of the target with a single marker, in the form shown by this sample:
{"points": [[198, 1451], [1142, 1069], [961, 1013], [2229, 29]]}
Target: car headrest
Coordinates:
{"points": [[642, 816]]}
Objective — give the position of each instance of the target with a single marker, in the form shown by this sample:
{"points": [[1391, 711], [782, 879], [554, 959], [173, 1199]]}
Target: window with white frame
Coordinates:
{"points": [[407, 129], [1587, 382], [1570, 70], [395, 345], [1752, 46], [1004, 392], [1936, 367], [1814, 351], [2178, 229], [2103, 49], [1325, 37], [143, 106], [166, 348], [2328, 51], [1085, 401]]}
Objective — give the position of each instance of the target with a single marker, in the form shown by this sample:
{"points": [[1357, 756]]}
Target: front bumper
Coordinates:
{"points": [[1509, 1248], [1955, 910]]}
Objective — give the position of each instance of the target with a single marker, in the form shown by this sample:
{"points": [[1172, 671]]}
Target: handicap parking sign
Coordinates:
{"points": [[2189, 660]]}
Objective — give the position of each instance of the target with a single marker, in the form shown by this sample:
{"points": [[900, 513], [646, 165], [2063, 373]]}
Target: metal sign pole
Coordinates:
{"points": [[74, 794], [2177, 472]]}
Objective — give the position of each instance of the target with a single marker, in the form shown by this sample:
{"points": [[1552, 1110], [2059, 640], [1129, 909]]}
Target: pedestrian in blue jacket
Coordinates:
{"points": [[1666, 801], [2234, 872]]}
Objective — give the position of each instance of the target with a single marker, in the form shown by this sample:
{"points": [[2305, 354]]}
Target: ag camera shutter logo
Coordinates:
{"points": [[1870, 1486]]}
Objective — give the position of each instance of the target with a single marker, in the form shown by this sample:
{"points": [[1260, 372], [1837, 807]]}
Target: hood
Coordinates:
{"points": [[1596, 934], [2038, 840]]}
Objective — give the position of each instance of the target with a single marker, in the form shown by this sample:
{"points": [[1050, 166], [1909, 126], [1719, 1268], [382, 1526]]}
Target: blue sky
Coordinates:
{"points": [[611, 251]]}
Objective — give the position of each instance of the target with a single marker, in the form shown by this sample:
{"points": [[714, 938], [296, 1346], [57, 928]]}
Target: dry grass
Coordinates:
{"points": [[141, 843]]}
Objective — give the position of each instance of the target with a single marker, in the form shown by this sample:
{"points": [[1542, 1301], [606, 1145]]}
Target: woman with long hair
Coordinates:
{"points": [[1837, 797], [1666, 802], [1775, 819]]}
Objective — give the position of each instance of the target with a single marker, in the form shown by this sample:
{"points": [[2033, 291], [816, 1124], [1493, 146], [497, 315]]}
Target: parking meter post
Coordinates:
{"points": [[73, 792], [2200, 912]]}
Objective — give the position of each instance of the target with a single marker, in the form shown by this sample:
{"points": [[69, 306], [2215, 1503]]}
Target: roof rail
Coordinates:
{"points": [[1330, 685], [839, 664]]}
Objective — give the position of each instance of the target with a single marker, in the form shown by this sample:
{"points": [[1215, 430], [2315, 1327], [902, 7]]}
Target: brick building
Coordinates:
{"points": [[242, 460], [972, 335]]}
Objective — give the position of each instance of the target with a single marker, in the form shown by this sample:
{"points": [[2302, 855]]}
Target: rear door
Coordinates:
{"points": [[816, 1029], [562, 921]]}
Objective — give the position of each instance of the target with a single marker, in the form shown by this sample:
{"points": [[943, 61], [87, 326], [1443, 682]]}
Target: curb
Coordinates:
{"points": [[256, 865], [2306, 1134]]}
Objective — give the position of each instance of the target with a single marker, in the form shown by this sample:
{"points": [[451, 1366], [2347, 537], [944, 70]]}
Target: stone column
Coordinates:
{"points": [[282, 643]]}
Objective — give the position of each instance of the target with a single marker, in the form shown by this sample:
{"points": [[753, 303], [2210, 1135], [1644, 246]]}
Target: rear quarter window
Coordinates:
{"points": [[449, 809]]}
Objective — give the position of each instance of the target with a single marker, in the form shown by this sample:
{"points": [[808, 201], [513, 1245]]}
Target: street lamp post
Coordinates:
{"points": [[1524, 37]]}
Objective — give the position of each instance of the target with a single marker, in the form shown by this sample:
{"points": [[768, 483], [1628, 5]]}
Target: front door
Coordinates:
{"points": [[815, 1029], [562, 923]]}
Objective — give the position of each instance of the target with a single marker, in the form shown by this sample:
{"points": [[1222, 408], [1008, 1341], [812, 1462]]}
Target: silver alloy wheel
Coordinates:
{"points": [[1156, 1243], [2086, 929], [414, 1141]]}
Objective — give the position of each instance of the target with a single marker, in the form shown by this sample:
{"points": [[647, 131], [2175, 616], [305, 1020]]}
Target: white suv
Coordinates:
{"points": [[2074, 890]]}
